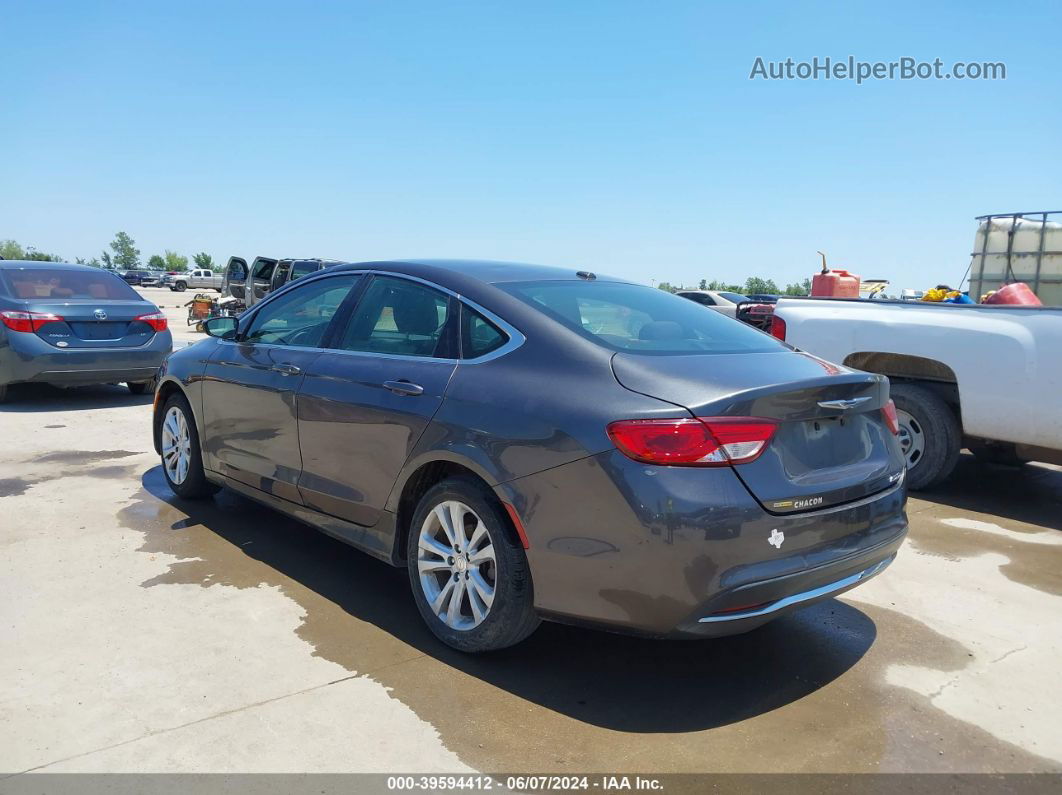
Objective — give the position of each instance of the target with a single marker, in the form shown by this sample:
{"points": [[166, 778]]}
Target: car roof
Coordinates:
{"points": [[19, 264], [489, 271]]}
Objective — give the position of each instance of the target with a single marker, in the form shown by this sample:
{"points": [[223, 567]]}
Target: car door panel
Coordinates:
{"points": [[355, 433], [364, 406], [250, 386]]}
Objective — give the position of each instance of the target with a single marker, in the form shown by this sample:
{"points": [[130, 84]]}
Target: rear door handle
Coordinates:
{"points": [[286, 369], [404, 387]]}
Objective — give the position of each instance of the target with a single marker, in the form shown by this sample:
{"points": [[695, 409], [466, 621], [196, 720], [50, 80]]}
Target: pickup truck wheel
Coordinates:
{"points": [[180, 287], [930, 435]]}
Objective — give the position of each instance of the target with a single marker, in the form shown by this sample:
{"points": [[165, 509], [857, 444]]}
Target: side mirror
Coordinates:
{"points": [[221, 327]]}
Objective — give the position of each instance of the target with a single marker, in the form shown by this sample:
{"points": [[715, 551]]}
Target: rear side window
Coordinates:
{"points": [[401, 318], [67, 285], [478, 335], [637, 319]]}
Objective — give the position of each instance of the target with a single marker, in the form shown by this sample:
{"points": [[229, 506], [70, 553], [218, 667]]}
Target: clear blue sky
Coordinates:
{"points": [[621, 137]]}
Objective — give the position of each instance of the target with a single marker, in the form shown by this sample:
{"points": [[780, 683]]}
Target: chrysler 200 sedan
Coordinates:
{"points": [[74, 324], [536, 443]]}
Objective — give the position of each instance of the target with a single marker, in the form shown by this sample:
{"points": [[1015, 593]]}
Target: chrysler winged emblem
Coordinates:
{"points": [[843, 404]]}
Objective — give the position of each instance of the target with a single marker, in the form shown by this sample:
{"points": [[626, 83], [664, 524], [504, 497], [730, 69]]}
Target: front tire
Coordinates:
{"points": [[930, 435], [182, 459], [180, 287], [470, 578]]}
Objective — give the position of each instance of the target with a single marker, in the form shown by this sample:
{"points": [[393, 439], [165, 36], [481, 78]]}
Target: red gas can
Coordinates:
{"points": [[1017, 293], [835, 284]]}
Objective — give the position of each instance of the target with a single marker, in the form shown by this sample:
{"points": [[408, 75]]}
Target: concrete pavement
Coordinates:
{"points": [[144, 633]]}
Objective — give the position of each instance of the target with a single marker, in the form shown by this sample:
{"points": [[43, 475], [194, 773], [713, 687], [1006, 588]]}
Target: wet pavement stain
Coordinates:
{"points": [[1030, 562], [83, 456], [13, 487], [811, 687]]}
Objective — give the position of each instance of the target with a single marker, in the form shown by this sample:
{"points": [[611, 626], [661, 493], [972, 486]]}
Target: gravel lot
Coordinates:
{"points": [[143, 633]]}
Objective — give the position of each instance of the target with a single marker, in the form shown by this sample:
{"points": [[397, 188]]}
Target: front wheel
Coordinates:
{"points": [[930, 435], [470, 577], [182, 459]]}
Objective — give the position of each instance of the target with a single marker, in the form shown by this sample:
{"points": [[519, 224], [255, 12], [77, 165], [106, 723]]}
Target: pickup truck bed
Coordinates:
{"points": [[985, 377]]}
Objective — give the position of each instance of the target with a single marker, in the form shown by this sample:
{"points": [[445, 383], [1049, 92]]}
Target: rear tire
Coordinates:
{"points": [[929, 434], [140, 387], [1002, 454], [3, 392], [180, 287], [482, 557], [183, 468]]}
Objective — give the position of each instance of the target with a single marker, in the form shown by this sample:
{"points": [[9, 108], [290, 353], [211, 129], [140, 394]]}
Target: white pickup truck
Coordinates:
{"points": [[199, 279], [988, 378]]}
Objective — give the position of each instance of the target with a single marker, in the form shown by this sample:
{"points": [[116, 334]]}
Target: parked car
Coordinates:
{"points": [[198, 279], [533, 443], [266, 275], [74, 324], [985, 377], [141, 277], [722, 301]]}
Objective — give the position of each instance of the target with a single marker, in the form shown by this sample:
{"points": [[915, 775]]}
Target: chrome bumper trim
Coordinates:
{"points": [[803, 596]]}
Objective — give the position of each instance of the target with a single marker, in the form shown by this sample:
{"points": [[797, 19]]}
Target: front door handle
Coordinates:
{"points": [[404, 387], [286, 369]]}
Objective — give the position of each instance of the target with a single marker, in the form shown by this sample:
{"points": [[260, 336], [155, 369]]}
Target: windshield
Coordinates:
{"points": [[637, 319], [67, 285]]}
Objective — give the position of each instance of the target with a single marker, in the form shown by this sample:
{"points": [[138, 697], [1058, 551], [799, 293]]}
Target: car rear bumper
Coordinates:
{"points": [[654, 550], [27, 358]]}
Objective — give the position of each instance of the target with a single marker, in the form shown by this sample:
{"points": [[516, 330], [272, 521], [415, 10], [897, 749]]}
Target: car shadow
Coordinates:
{"points": [[613, 681], [32, 398], [1030, 493]]}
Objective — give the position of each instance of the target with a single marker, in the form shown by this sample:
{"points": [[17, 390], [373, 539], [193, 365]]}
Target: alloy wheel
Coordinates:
{"points": [[456, 565], [176, 445]]}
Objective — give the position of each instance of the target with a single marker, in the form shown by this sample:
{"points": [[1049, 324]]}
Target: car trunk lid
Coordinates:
{"points": [[97, 324], [832, 444]]}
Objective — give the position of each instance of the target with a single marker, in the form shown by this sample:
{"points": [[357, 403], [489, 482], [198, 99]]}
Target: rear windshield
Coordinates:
{"points": [[637, 319], [67, 285]]}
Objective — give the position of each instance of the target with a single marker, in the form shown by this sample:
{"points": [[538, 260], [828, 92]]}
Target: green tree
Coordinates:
{"points": [[704, 284], [175, 262], [126, 254], [754, 284], [156, 262], [203, 260], [795, 289], [94, 262], [108, 263], [666, 286], [723, 287], [11, 249]]}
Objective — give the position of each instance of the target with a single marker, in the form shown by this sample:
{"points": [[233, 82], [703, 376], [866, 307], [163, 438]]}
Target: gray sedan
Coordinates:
{"points": [[537, 443], [73, 324]]}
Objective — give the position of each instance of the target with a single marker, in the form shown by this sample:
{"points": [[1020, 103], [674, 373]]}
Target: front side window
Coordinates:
{"points": [[637, 319], [68, 285], [300, 317], [399, 317]]}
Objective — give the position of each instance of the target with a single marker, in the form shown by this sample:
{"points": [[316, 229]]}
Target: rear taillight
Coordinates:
{"points": [[888, 411], [708, 441], [777, 327], [156, 320], [28, 321]]}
